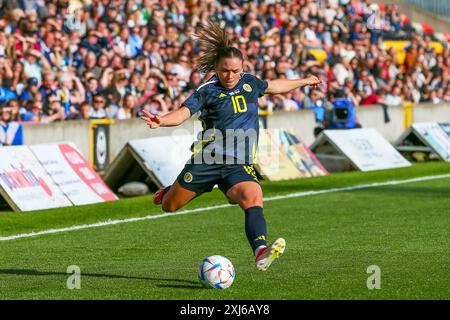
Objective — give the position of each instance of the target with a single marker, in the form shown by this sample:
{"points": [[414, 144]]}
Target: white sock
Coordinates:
{"points": [[259, 249]]}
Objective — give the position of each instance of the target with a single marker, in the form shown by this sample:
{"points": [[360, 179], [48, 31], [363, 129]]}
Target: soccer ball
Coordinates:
{"points": [[216, 272]]}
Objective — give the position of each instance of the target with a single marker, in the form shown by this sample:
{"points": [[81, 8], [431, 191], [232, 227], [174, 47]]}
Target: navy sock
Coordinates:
{"points": [[255, 227]]}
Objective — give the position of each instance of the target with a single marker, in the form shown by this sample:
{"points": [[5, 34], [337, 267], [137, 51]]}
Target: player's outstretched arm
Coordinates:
{"points": [[280, 86], [171, 119]]}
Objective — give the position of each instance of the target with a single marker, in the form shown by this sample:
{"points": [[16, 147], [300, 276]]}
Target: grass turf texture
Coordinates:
{"points": [[331, 240]]}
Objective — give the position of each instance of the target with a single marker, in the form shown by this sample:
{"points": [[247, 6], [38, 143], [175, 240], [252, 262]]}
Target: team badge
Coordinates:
{"points": [[187, 177], [247, 87]]}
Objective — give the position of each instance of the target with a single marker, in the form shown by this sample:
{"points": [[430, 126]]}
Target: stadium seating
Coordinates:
{"points": [[141, 56]]}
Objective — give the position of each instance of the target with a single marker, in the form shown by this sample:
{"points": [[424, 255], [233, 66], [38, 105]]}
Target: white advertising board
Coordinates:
{"points": [[72, 173], [25, 184], [164, 156], [366, 149], [436, 135]]}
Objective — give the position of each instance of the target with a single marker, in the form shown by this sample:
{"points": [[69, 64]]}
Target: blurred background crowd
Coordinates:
{"points": [[63, 60]]}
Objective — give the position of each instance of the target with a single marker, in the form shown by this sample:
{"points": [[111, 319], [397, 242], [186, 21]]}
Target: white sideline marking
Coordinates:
{"points": [[291, 195]]}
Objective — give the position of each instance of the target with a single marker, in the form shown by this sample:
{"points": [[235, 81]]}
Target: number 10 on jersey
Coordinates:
{"points": [[239, 104]]}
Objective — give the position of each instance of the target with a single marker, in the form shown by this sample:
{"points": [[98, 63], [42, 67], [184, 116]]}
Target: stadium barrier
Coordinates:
{"points": [[79, 132], [437, 7], [49, 176], [419, 15]]}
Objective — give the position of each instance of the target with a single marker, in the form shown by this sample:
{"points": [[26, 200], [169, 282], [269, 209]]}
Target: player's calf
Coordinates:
{"points": [[170, 206]]}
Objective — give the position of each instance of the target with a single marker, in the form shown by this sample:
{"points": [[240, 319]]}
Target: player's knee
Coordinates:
{"points": [[251, 200]]}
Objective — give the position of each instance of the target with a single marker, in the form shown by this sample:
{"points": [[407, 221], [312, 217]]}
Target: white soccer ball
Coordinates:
{"points": [[216, 272]]}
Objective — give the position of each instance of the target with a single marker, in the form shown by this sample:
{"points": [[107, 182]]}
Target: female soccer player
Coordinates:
{"points": [[228, 106]]}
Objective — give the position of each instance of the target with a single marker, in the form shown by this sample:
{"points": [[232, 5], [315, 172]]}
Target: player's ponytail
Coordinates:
{"points": [[217, 46]]}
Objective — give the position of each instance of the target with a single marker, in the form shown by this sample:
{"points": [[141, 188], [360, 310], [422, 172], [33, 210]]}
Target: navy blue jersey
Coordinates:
{"points": [[229, 118]]}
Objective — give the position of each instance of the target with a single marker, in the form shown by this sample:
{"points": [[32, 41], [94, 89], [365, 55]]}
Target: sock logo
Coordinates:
{"points": [[187, 177], [261, 238]]}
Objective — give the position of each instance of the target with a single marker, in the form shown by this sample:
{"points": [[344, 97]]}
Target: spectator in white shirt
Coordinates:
{"points": [[182, 69], [394, 98], [127, 107], [122, 45], [35, 63], [341, 71], [310, 37], [98, 107]]}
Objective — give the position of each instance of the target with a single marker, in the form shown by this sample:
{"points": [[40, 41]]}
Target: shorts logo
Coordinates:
{"points": [[247, 87], [251, 171], [187, 177]]}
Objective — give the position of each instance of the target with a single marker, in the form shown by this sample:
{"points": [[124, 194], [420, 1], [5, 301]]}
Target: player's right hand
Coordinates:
{"points": [[153, 121], [313, 81]]}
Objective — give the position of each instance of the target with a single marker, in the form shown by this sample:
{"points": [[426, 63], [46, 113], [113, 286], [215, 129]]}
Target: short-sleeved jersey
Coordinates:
{"points": [[229, 117]]}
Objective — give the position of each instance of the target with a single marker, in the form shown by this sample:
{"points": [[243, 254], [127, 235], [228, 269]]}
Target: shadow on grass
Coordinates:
{"points": [[184, 284]]}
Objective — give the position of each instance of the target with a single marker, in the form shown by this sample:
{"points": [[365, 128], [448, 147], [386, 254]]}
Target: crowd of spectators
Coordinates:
{"points": [[62, 60]]}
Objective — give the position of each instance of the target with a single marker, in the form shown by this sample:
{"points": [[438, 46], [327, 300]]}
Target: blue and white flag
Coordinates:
{"points": [[11, 134]]}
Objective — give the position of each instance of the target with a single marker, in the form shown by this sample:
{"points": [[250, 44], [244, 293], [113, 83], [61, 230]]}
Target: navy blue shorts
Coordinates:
{"points": [[202, 178]]}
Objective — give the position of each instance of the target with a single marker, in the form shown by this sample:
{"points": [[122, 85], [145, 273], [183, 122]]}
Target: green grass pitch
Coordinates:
{"points": [[332, 239]]}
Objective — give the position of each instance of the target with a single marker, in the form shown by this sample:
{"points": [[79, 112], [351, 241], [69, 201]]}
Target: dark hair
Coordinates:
{"points": [[98, 95], [217, 45], [30, 103]]}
